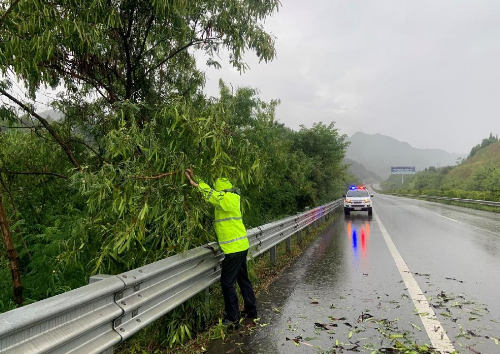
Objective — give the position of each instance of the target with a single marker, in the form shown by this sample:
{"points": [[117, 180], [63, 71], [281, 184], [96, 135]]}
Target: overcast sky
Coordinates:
{"points": [[423, 71]]}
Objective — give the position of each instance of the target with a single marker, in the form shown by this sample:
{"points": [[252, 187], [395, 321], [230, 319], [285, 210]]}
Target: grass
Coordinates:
{"points": [[262, 273]]}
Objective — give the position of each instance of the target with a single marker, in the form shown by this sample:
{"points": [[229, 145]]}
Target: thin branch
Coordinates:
{"points": [[96, 83], [21, 127], [78, 141], [143, 46], [9, 10], [161, 175], [34, 173], [180, 49], [47, 126], [177, 51]]}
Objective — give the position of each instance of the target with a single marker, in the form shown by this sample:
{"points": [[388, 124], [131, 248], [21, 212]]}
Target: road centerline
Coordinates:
{"points": [[437, 335]]}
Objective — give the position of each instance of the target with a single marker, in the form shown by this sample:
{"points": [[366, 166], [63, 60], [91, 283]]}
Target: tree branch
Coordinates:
{"points": [[34, 173], [161, 175], [21, 127], [178, 50], [47, 126], [78, 141], [92, 81], [9, 10], [143, 46]]}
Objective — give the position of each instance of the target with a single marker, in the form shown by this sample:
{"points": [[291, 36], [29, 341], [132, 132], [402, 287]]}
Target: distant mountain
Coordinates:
{"points": [[360, 171], [51, 114], [379, 152], [477, 177]]}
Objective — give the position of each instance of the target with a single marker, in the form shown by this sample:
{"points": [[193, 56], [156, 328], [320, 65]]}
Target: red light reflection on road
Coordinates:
{"points": [[363, 232], [363, 243]]}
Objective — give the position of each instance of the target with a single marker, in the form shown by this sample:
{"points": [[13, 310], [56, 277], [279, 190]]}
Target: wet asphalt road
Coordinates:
{"points": [[347, 275]]}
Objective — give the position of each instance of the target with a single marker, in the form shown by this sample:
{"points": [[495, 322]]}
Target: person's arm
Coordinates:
{"points": [[209, 194], [216, 198]]}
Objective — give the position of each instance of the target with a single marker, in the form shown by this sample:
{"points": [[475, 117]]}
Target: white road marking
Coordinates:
{"points": [[445, 217], [435, 331]]}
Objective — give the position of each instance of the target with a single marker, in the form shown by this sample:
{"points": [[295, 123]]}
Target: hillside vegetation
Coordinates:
{"points": [[476, 177]]}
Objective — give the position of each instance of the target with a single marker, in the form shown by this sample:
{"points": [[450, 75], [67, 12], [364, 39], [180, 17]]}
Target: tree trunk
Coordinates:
{"points": [[12, 254]]}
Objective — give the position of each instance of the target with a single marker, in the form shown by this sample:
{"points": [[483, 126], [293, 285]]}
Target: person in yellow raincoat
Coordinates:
{"points": [[232, 238]]}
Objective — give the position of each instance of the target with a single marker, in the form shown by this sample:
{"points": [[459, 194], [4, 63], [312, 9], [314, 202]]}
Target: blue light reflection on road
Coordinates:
{"points": [[355, 243], [358, 232]]}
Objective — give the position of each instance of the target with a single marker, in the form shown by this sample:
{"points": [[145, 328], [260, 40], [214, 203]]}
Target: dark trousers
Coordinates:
{"points": [[234, 269]]}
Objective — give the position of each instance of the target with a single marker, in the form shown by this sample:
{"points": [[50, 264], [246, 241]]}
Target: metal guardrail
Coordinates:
{"points": [[94, 318], [470, 201]]}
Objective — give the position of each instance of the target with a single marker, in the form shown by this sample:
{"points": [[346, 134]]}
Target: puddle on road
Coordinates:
{"points": [[345, 295]]}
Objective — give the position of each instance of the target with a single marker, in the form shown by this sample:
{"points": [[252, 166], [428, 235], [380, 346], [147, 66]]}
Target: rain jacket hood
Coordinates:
{"points": [[222, 184]]}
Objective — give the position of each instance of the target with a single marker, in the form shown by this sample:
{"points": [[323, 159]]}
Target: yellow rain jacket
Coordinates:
{"points": [[228, 223]]}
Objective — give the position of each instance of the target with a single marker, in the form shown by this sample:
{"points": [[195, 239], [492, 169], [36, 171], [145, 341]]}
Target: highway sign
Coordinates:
{"points": [[403, 170]]}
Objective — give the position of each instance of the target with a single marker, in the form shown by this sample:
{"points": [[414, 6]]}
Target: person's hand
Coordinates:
{"points": [[189, 174]]}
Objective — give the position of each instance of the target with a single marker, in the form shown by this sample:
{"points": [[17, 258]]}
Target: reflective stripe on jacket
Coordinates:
{"points": [[228, 223]]}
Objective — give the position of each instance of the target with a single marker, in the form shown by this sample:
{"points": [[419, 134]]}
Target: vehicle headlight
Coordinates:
{"points": [[367, 200], [348, 201]]}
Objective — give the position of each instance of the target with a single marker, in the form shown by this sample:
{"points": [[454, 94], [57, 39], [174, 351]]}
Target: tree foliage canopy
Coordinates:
{"points": [[102, 190]]}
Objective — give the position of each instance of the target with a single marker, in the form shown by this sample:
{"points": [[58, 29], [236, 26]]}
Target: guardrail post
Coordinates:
{"points": [[207, 297], [299, 236], [272, 254], [289, 244]]}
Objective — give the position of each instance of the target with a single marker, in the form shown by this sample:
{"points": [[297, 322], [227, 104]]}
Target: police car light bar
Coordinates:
{"points": [[353, 188]]}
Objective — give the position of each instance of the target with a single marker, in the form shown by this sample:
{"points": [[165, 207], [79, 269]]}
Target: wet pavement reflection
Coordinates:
{"points": [[360, 234]]}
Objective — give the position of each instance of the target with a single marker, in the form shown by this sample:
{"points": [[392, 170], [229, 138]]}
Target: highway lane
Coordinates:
{"points": [[460, 250], [348, 274]]}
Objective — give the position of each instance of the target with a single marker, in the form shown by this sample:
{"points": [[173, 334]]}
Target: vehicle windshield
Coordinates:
{"points": [[357, 193]]}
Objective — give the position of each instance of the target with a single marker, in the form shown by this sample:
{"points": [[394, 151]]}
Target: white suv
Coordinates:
{"points": [[357, 199]]}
